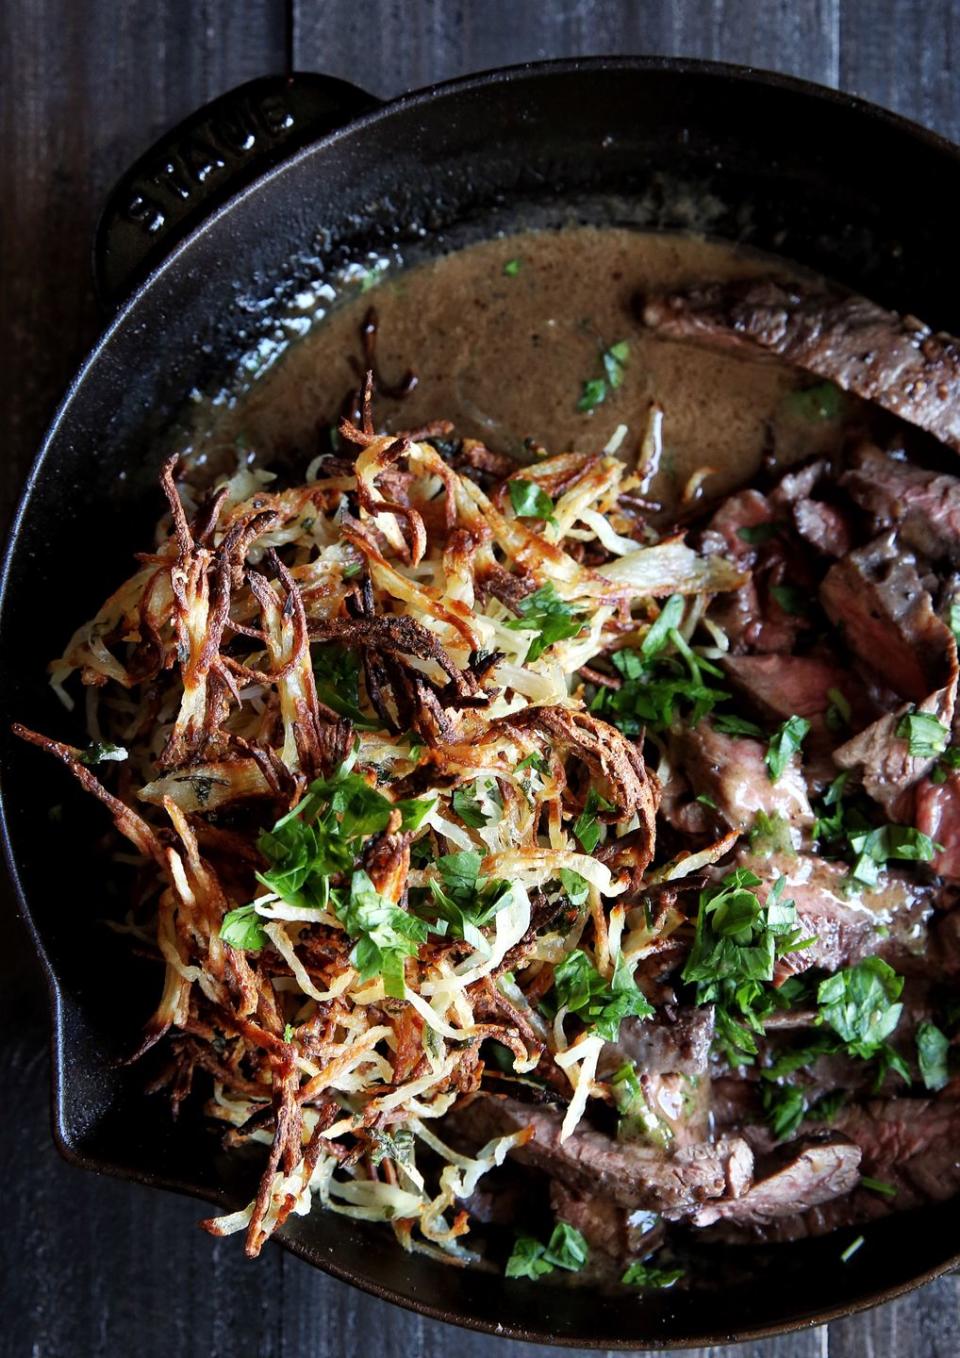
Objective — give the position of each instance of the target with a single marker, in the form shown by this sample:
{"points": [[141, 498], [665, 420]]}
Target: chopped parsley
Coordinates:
{"points": [[655, 684], [396, 1146], [466, 803], [600, 1004], [566, 1249], [586, 828], [953, 618], [530, 501], [462, 902], [643, 1274], [658, 635], [933, 1048], [862, 1005], [791, 599], [824, 401], [878, 1186], [737, 942], [576, 887], [730, 725], [758, 533], [102, 752], [545, 613], [784, 1107], [512, 267], [770, 834], [948, 763], [533, 761], [243, 928], [336, 672], [927, 738], [875, 847], [319, 840], [851, 1250], [288, 1032], [385, 934], [839, 712], [594, 389], [784, 744]]}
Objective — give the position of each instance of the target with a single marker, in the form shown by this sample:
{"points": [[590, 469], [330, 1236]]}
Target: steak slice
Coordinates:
{"points": [[676, 1041], [590, 1163], [894, 361], [812, 1171], [788, 685], [730, 770], [924, 505], [913, 1144], [937, 814], [875, 593]]}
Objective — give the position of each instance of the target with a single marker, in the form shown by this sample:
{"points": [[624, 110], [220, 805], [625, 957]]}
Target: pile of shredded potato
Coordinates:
{"points": [[382, 664]]}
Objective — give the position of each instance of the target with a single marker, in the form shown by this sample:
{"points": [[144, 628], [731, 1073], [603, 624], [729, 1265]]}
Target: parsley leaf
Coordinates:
{"points": [[770, 834], [824, 401], [532, 761], [614, 361], [791, 599], [385, 934], [735, 948], [101, 752], [658, 634], [584, 992], [642, 1274], [465, 902], [243, 928], [784, 744], [530, 501], [567, 1249], [396, 1146], [466, 803], [654, 683], [586, 828], [593, 393], [839, 711], [860, 1004], [933, 1048], [576, 887], [512, 267], [875, 847], [948, 763], [757, 533], [545, 612], [336, 672], [784, 1107], [927, 737], [527, 1259], [730, 725]]}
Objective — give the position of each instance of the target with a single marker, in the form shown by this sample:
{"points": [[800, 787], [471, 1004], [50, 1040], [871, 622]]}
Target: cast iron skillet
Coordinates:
{"points": [[824, 179]]}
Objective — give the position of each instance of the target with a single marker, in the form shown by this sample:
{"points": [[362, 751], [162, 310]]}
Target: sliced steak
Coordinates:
{"points": [[913, 1144], [730, 770], [883, 760], [676, 1041], [894, 361], [629, 1174], [790, 685], [824, 526], [812, 1171], [751, 617], [937, 814], [890, 921], [923, 505], [876, 595]]}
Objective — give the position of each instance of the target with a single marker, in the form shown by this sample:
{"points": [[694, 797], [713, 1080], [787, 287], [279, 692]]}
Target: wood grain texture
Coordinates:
{"points": [[92, 1268]]}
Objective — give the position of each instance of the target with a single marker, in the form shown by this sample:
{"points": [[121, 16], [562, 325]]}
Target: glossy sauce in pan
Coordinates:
{"points": [[504, 355]]}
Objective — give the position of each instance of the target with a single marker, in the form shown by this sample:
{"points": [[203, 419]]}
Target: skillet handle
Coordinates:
{"points": [[207, 159]]}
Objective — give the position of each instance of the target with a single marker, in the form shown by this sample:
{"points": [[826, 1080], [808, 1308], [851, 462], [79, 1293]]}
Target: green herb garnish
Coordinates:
{"points": [[594, 390], [243, 928], [546, 613], [598, 1003], [824, 401], [784, 1107], [336, 672], [567, 1249], [586, 828], [861, 1005], [878, 1186], [730, 725], [530, 501], [512, 267], [102, 752], [757, 533], [784, 744], [462, 902], [791, 599], [641, 1274], [851, 1249], [927, 737], [933, 1049]]}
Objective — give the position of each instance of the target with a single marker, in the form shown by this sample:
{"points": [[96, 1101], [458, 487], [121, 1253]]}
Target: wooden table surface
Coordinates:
{"points": [[91, 1267]]}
